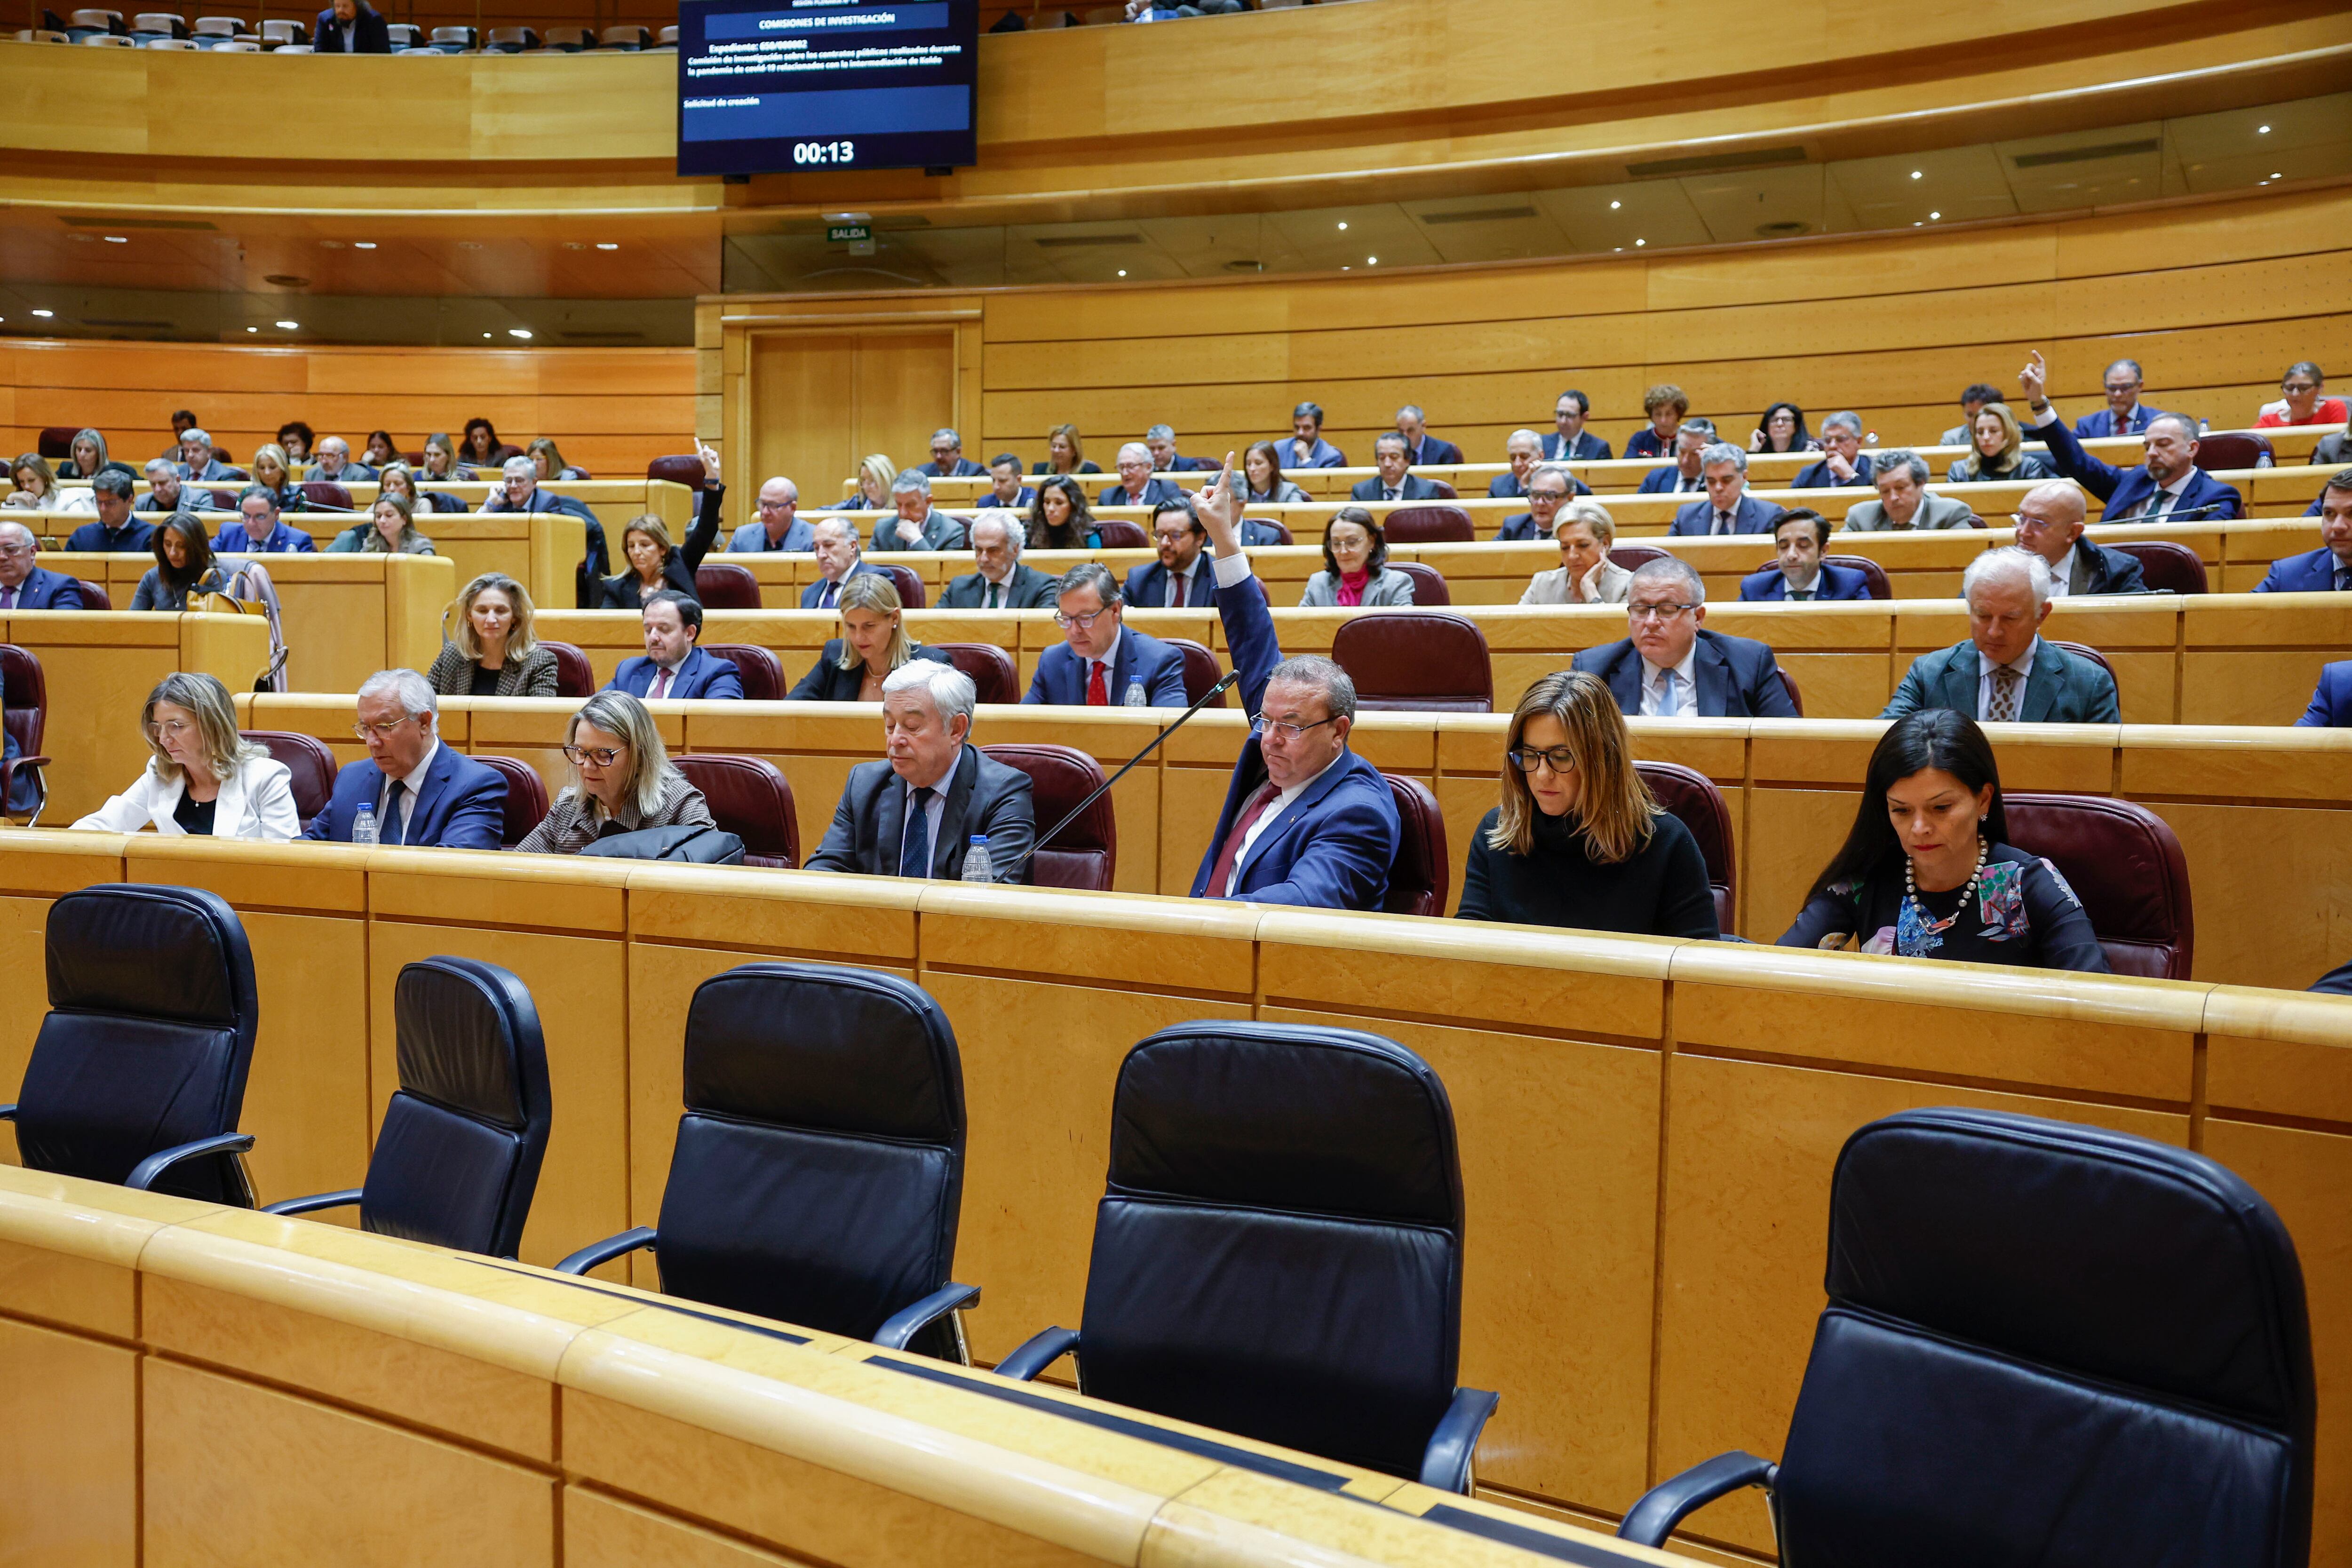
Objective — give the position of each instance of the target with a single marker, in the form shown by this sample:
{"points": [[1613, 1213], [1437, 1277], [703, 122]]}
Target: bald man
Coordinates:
{"points": [[2049, 523], [779, 525]]}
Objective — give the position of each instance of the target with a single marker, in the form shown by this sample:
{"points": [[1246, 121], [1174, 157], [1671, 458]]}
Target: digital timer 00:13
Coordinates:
{"points": [[825, 152]]}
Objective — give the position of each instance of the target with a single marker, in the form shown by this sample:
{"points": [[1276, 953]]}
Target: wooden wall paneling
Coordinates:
{"points": [[69, 1487]]}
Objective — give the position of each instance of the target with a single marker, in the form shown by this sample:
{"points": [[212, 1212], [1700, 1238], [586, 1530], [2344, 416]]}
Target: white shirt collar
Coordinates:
{"points": [[1109, 661], [2023, 664], [1651, 674], [1295, 791], [417, 773], [1811, 587]]}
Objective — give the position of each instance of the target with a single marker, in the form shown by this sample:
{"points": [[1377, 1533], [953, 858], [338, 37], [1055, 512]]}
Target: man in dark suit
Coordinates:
{"points": [[1526, 451], [2004, 672], [779, 526], [1729, 507], [919, 525], [2167, 488], [1099, 663], [948, 462], [1180, 578], [518, 489], [1394, 482], [199, 463], [1800, 537], [1841, 462], [1421, 448], [1160, 439], [118, 530], [1308, 448], [2331, 700], [2125, 414], [672, 666], [834, 542], [916, 813], [334, 464], [1306, 820], [1670, 668], [164, 489], [24, 586], [348, 27], [2049, 523], [1681, 477], [2327, 569], [1548, 491], [425, 794], [1136, 485], [1571, 440], [1005, 488], [1002, 583]]}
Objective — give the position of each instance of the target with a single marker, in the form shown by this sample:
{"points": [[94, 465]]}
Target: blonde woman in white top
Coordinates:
{"points": [[204, 778], [1585, 575]]}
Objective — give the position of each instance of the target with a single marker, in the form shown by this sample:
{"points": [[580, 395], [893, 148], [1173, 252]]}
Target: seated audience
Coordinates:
{"points": [[1978, 395], [399, 479], [1059, 518], [1004, 485], [1841, 461], [1065, 453], [1308, 447], [183, 565], [1665, 407], [919, 525], [672, 665], [2327, 569], [916, 812], [2049, 523], [197, 461], [1420, 447], [390, 529], [835, 541], [623, 781], [1729, 507], [1670, 668], [1548, 486], [1585, 575], [1681, 476], [779, 525], [654, 563], [1577, 840], [1136, 485], [1098, 662], [2331, 699], [296, 439], [1393, 459], [1904, 502], [163, 492], [1782, 429], [1355, 566], [948, 462], [204, 778], [2167, 488], [1165, 457], [2125, 414], [1261, 465], [332, 460], [1521, 450], [1998, 451], [875, 476], [182, 421], [423, 794], [1179, 578], [2004, 672], [1927, 844], [518, 490], [87, 455], [549, 461], [481, 448], [1799, 536], [259, 530], [271, 473], [441, 459], [872, 644], [38, 489], [1306, 820], [999, 582], [2303, 400], [24, 586], [1571, 439], [495, 649], [2334, 449], [380, 450], [118, 530], [351, 27]]}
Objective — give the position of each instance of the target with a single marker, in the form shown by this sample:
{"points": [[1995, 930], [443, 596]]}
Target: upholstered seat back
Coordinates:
{"points": [[526, 796], [1430, 661], [2166, 565], [819, 1169], [25, 697], [1427, 524], [457, 1160], [1086, 853], [749, 798], [727, 585], [2049, 1343], [1418, 876], [310, 762], [1202, 669], [1692, 799], [993, 677], [1279, 1250], [574, 675], [147, 1041], [760, 670], [2125, 865]]}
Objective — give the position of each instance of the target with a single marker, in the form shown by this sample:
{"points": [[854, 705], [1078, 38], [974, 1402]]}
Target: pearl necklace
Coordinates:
{"points": [[1968, 890]]}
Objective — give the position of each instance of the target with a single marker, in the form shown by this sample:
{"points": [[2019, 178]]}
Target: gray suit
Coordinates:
{"points": [[2062, 688], [1935, 511], [941, 531], [984, 796], [1028, 589], [1387, 588]]}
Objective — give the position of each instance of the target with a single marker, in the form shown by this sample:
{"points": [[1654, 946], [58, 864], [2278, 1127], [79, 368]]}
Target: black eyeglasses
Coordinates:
{"points": [[1526, 759], [1262, 725], [604, 756]]}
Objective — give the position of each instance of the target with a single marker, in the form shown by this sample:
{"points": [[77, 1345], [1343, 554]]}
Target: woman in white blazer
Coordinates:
{"points": [[1585, 575], [204, 778]]}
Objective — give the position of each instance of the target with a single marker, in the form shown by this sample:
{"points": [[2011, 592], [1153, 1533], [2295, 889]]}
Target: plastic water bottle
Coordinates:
{"points": [[976, 867], [363, 826], [1136, 696]]}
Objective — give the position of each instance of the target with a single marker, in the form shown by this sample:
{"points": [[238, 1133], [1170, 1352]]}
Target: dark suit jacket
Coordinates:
{"points": [[1817, 477], [461, 804], [1644, 443], [1178, 463], [1414, 488], [2314, 573], [1433, 451], [1590, 449], [702, 675], [984, 797], [809, 594], [373, 37], [625, 593], [2063, 690], [2092, 427], [2331, 700], [1751, 516], [1154, 492], [1660, 481], [1323, 456], [941, 530], [1062, 675], [1737, 678], [46, 590], [2124, 489], [2110, 572], [964, 468], [1835, 582], [1084, 467], [1520, 526], [1029, 589], [136, 537], [1147, 585], [827, 681]]}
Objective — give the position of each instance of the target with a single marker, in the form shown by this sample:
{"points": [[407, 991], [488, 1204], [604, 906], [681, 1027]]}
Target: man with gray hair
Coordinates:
{"points": [[2004, 672], [197, 461], [1525, 451], [2049, 523], [1136, 485], [919, 525], [1904, 502], [1729, 507], [1681, 476], [1161, 440], [165, 493], [1420, 447], [2168, 486], [1841, 462], [1669, 667], [1306, 820], [1001, 582], [332, 461], [26, 587], [420, 792], [948, 462], [921, 810]]}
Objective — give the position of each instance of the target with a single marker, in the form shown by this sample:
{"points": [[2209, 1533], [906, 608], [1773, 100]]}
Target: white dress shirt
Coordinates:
{"points": [[998, 586], [2164, 501], [1654, 688], [415, 779], [2023, 664], [1266, 819], [1180, 586], [1110, 662], [934, 809], [1792, 587]]}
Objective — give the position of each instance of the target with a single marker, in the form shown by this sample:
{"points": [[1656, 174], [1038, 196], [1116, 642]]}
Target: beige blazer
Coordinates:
{"points": [[256, 802], [1606, 584]]}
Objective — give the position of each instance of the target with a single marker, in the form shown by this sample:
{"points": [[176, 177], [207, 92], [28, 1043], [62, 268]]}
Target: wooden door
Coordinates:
{"points": [[823, 402]]}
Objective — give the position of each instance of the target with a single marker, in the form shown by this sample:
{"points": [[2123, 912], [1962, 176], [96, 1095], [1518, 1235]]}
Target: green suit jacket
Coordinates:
{"points": [[2063, 690]]}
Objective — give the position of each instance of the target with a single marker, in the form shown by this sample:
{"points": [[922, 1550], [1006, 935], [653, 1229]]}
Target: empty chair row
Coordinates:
{"points": [[170, 29]]}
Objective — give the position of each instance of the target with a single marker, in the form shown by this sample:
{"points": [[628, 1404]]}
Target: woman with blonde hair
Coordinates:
{"points": [[205, 778], [621, 781], [494, 651], [550, 462], [273, 473], [1585, 575], [441, 458], [875, 476], [1578, 839], [38, 489], [873, 643], [1999, 450], [89, 456], [1065, 453]]}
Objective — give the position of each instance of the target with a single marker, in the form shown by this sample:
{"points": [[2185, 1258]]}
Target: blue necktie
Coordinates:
{"points": [[391, 831], [914, 851]]}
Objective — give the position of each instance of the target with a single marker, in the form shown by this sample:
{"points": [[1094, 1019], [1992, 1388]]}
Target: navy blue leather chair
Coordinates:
{"points": [[137, 1075], [1279, 1250], [818, 1175], [2045, 1344], [457, 1159]]}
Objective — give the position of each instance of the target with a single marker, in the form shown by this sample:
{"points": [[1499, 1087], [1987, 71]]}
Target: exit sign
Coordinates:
{"points": [[848, 233]]}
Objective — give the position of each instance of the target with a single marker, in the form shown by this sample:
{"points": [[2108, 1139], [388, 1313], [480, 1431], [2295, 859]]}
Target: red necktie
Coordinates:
{"points": [[661, 686], [1222, 871], [1098, 690]]}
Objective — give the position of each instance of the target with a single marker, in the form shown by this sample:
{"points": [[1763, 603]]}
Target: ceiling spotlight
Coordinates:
{"points": [[1122, 272], [118, 240], [1918, 173], [1343, 227], [289, 326], [606, 244], [1614, 206], [518, 331], [252, 329], [45, 315], [1935, 214], [364, 245], [1371, 261], [2275, 175], [2261, 129], [488, 334], [1641, 242]]}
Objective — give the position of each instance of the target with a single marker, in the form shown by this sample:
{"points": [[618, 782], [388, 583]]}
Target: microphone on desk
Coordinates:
{"points": [[1231, 678]]}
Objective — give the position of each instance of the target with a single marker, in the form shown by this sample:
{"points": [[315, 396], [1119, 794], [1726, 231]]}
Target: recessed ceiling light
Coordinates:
{"points": [[1935, 214], [1345, 268], [518, 331], [2261, 129], [1614, 206], [1918, 173], [1343, 227], [45, 315], [2276, 175], [289, 326], [118, 240], [364, 245], [606, 244], [1371, 261], [1641, 242], [252, 329], [1616, 248], [490, 334], [1122, 272]]}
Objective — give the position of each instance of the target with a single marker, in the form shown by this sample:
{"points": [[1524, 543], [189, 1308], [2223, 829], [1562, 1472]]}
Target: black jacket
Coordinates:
{"points": [[828, 682], [984, 796], [623, 592], [373, 36]]}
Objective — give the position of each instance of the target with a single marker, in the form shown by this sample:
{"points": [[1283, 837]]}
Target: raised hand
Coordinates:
{"points": [[709, 460], [2035, 378], [1221, 509]]}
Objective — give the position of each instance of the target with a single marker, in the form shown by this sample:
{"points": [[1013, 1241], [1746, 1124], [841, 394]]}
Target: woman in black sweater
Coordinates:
{"points": [[1577, 840]]}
